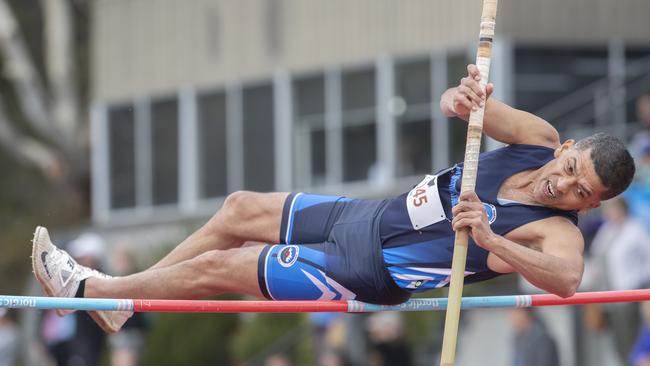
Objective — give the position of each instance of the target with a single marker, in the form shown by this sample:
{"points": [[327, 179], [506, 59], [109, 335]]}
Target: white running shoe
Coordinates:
{"points": [[59, 275]]}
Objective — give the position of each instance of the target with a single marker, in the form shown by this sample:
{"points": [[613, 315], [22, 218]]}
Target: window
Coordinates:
{"points": [[212, 145], [309, 131], [121, 129], [259, 156], [637, 80], [359, 127], [164, 151], [545, 76], [412, 107]]}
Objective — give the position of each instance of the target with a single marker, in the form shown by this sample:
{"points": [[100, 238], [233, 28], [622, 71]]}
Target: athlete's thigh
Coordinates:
{"points": [[254, 216], [278, 272], [309, 218], [298, 272]]}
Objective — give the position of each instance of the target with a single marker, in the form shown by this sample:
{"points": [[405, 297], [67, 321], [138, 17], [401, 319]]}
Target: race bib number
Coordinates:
{"points": [[423, 203]]}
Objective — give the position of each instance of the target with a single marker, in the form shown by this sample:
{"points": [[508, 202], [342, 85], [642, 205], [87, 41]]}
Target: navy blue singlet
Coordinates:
{"points": [[418, 248]]}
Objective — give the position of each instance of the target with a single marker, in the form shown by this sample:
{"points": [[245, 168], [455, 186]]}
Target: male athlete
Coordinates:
{"points": [[522, 218]]}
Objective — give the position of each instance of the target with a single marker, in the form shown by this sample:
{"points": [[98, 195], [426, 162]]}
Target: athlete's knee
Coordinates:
{"points": [[212, 260], [240, 204], [249, 215], [237, 198], [232, 214], [242, 207]]}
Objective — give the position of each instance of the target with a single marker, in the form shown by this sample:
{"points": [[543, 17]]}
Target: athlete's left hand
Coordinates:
{"points": [[469, 213]]}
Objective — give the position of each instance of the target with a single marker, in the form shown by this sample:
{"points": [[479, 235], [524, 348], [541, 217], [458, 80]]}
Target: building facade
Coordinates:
{"points": [[196, 99]]}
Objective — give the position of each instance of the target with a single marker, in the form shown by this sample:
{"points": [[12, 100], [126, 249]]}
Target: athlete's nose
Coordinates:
{"points": [[564, 184]]}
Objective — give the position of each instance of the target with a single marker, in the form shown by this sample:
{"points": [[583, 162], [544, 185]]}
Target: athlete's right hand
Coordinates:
{"points": [[468, 96], [469, 213]]}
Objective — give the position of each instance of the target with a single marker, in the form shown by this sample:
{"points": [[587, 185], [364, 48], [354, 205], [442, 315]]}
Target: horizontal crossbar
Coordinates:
{"points": [[343, 306]]}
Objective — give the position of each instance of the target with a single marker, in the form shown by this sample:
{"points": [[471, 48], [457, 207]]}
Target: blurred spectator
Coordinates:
{"points": [[331, 357], [387, 343], [620, 260], [533, 344], [642, 137], [622, 242], [597, 339], [321, 323], [589, 225], [57, 333], [639, 193], [8, 340], [642, 161], [638, 199], [125, 345], [88, 340], [88, 248], [640, 355], [350, 335], [277, 359]]}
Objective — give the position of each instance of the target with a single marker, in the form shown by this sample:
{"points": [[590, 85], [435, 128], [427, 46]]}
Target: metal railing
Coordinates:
{"points": [[596, 104]]}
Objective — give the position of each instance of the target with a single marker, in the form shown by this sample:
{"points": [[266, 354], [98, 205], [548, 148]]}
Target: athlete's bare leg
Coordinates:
{"points": [[211, 273], [245, 216]]}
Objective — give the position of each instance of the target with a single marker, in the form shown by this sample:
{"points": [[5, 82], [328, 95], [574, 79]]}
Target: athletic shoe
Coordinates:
{"points": [[59, 275]]}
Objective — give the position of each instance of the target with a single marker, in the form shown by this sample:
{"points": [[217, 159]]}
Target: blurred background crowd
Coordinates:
{"points": [[125, 123]]}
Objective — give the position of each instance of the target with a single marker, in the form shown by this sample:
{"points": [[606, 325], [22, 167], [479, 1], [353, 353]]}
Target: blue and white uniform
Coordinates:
{"points": [[383, 251], [419, 259]]}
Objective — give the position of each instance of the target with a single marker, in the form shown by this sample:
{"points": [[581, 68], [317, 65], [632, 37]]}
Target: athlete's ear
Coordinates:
{"points": [[566, 145]]}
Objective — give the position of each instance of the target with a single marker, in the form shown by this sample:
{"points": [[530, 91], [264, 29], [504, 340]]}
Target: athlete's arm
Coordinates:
{"points": [[500, 121], [552, 260]]}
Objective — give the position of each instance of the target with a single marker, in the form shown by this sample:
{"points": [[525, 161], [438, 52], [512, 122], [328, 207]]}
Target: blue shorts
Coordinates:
{"points": [[330, 250]]}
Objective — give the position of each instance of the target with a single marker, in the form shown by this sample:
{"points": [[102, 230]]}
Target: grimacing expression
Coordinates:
{"points": [[569, 182]]}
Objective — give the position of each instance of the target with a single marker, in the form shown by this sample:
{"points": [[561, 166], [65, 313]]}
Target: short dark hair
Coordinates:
{"points": [[613, 163]]}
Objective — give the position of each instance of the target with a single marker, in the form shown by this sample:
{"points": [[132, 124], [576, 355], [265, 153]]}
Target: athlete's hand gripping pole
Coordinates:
{"points": [[472, 149]]}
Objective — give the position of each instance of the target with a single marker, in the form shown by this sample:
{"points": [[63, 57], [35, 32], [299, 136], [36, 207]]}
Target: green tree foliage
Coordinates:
{"points": [[25, 201], [265, 334], [27, 197], [190, 339]]}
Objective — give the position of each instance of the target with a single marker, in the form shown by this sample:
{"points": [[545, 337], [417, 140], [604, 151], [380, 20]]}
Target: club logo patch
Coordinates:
{"points": [[288, 256], [491, 212]]}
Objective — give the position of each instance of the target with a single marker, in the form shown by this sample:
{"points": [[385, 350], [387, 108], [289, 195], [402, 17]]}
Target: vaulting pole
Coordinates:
{"points": [[470, 167]]}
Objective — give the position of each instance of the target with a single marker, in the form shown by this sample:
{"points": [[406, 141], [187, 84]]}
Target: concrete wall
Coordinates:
{"points": [[145, 47]]}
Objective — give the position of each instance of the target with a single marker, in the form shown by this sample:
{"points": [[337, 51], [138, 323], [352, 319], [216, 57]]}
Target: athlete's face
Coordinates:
{"points": [[569, 182]]}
